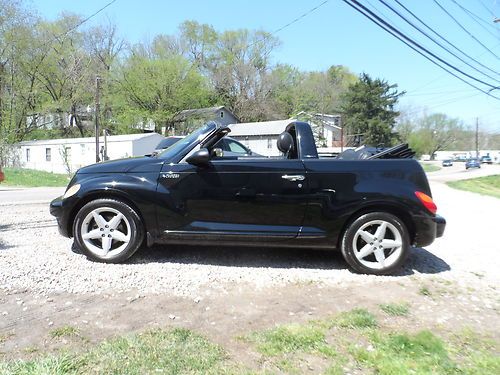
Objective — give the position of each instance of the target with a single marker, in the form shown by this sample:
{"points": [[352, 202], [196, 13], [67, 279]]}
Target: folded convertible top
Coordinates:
{"points": [[401, 151]]}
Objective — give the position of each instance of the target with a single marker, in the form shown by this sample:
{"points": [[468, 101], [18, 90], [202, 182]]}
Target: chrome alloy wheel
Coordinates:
{"points": [[105, 232], [377, 244]]}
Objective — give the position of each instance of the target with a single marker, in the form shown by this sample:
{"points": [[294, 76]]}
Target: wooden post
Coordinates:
{"points": [[97, 110]]}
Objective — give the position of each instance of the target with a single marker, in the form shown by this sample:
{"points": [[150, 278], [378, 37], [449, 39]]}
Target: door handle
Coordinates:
{"points": [[294, 177]]}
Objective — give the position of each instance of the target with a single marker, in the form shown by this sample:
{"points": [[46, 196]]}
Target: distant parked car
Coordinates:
{"points": [[486, 160], [229, 146], [2, 176], [447, 163], [472, 163]]}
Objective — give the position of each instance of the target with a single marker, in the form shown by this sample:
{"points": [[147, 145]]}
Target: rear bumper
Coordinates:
{"points": [[427, 229]]}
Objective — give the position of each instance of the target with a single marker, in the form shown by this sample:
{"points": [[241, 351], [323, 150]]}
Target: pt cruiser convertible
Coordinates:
{"points": [[372, 206]]}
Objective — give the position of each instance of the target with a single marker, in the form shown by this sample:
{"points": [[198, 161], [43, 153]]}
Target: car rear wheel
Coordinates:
{"points": [[376, 243], [108, 230]]}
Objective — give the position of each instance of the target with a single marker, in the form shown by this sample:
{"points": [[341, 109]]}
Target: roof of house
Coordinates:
{"points": [[198, 112], [259, 128], [324, 118], [110, 138]]}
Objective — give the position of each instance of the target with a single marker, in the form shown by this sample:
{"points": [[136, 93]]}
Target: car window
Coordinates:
{"points": [[188, 141], [235, 147]]}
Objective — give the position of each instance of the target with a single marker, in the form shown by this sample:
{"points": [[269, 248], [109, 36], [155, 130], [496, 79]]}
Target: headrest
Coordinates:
{"points": [[285, 143]]}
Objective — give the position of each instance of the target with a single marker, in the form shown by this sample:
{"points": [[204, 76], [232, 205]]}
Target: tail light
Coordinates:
{"points": [[426, 201]]}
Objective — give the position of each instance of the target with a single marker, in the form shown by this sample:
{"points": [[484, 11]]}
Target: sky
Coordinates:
{"points": [[336, 34]]}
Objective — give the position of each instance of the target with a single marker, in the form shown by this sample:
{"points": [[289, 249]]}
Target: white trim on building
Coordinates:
{"points": [[48, 155]]}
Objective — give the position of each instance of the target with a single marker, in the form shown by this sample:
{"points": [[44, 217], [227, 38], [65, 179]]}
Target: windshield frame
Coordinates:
{"points": [[182, 147]]}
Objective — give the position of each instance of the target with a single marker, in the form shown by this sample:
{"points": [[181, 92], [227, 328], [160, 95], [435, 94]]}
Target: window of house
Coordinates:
{"points": [[269, 143], [221, 114], [68, 153], [28, 154], [247, 142], [48, 154], [82, 148]]}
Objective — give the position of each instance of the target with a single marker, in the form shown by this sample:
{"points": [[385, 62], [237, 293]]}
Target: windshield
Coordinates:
{"points": [[166, 143], [186, 142]]}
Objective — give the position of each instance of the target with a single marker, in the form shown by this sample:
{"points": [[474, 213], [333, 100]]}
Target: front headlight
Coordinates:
{"points": [[71, 191]]}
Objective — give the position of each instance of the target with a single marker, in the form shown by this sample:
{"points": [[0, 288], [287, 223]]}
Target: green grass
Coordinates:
{"points": [[489, 185], [33, 178], [401, 353], [357, 318], [65, 331], [350, 342], [308, 338], [424, 291], [430, 167], [395, 309], [155, 351]]}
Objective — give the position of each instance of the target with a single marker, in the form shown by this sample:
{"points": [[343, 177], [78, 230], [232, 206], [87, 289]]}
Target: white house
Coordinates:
{"points": [[261, 137], [59, 155]]}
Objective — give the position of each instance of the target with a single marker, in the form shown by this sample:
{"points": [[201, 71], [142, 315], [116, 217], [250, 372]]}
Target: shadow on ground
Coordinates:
{"points": [[4, 245], [419, 261]]}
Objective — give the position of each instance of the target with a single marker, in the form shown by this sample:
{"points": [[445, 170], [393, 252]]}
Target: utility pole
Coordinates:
{"points": [[477, 137], [341, 134], [97, 110], [105, 153]]}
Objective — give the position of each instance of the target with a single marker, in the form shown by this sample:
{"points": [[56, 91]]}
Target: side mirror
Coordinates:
{"points": [[218, 152], [199, 158]]}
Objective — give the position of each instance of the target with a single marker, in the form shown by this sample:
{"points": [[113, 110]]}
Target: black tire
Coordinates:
{"points": [[130, 224], [398, 254]]}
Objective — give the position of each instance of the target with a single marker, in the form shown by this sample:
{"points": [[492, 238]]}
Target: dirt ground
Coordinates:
{"points": [[435, 304]]}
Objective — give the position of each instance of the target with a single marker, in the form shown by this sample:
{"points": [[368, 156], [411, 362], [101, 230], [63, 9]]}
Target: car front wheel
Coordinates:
{"points": [[376, 243], [108, 230]]}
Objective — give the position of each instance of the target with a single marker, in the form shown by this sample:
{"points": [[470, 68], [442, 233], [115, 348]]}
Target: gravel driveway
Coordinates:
{"points": [[33, 256]]}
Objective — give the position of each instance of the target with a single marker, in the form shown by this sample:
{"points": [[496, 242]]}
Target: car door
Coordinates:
{"points": [[256, 199]]}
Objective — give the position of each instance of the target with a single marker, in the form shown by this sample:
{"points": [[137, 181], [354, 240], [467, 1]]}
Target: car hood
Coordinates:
{"points": [[128, 165]]}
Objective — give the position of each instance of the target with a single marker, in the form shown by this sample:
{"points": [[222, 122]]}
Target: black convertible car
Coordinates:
{"points": [[372, 206]]}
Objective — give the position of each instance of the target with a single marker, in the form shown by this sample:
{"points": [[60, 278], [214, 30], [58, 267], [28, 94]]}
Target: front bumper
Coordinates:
{"points": [[427, 229], [57, 209]]}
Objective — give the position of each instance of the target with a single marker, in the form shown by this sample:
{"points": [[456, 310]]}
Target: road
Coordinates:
{"points": [[10, 195], [458, 172]]}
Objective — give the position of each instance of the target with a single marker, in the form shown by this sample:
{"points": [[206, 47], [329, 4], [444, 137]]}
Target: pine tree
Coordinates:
{"points": [[368, 109]]}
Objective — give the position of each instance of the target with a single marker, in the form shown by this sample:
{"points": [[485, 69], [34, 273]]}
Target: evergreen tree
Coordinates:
{"points": [[368, 109]]}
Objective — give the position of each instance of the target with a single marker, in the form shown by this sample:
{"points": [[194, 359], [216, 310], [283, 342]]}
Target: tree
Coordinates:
{"points": [[368, 109], [435, 132], [157, 89]]}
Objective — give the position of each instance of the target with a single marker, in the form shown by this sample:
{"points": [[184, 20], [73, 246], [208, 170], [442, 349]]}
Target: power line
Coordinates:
{"points": [[303, 15], [436, 93], [441, 76], [487, 9], [300, 17], [476, 19], [406, 40], [464, 29], [71, 29], [444, 39], [437, 42]]}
